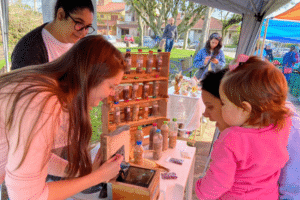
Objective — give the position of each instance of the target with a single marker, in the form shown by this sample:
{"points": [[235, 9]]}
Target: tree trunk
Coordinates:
{"points": [[206, 27], [35, 6], [141, 27], [185, 40]]}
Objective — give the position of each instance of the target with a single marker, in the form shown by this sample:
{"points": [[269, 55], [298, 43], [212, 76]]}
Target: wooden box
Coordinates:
{"points": [[125, 191], [108, 107]]}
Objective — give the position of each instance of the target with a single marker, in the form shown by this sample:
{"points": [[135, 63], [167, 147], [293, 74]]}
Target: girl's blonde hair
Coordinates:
{"points": [[263, 86]]}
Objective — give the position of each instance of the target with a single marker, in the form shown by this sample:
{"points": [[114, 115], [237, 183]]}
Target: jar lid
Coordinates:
{"points": [[174, 119], [140, 128]]}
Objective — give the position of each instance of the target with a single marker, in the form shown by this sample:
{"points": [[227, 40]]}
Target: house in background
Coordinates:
{"points": [[108, 15], [129, 26], [215, 26]]}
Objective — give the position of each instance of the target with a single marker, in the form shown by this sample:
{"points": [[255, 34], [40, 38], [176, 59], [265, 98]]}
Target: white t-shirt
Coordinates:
{"points": [[54, 47]]}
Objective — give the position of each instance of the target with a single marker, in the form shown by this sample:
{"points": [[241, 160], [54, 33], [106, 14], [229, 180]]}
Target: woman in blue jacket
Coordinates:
{"points": [[211, 55]]}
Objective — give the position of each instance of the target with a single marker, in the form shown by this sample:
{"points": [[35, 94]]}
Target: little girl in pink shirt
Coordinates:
{"points": [[247, 157]]}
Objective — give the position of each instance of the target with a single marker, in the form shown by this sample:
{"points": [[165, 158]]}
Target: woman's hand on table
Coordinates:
{"points": [[110, 169]]}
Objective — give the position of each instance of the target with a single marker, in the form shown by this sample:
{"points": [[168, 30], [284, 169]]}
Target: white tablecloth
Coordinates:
{"points": [[188, 110]]}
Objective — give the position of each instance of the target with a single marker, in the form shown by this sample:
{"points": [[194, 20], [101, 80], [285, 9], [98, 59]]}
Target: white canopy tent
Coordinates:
{"points": [[47, 9], [253, 12]]}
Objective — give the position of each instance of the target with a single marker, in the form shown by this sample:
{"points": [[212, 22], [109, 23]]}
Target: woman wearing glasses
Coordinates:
{"points": [[72, 21], [211, 57], [33, 101]]}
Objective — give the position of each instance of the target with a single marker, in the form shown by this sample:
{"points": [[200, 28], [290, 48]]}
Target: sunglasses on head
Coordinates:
{"points": [[215, 36]]}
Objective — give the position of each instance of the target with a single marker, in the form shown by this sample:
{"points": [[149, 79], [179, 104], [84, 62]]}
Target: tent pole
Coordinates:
{"points": [[4, 28], [264, 39]]}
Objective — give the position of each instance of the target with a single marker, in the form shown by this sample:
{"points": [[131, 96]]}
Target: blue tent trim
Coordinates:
{"points": [[282, 31]]}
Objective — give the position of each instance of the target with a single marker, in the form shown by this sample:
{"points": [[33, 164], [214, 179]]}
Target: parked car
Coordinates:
{"points": [[149, 42], [129, 38], [110, 38], [194, 45], [179, 43]]}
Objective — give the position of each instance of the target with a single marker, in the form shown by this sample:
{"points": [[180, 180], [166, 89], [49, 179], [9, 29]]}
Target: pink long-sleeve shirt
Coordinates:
{"points": [[246, 164], [29, 180]]}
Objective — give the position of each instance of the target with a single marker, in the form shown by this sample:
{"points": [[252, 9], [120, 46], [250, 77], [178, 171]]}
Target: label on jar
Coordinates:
{"points": [[128, 60]]}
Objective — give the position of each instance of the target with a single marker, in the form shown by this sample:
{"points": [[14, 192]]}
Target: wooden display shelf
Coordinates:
{"points": [[141, 102], [144, 79], [161, 78], [141, 122]]}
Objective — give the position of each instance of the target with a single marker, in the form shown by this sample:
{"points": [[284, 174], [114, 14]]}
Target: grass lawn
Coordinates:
{"points": [[2, 63]]}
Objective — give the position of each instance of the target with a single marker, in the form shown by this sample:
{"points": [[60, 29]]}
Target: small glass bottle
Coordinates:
{"points": [[146, 90], [135, 87], [165, 133], [126, 92], [155, 109], [128, 61], [127, 113], [158, 60], [152, 132], [117, 96], [157, 145], [117, 115], [155, 88], [180, 131], [139, 153], [149, 62], [146, 111], [139, 135], [173, 134], [135, 112], [139, 61]]}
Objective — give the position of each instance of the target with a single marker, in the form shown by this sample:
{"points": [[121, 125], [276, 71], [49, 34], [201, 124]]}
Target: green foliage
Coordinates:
{"points": [[235, 39], [137, 40], [96, 121], [231, 46], [21, 21]]}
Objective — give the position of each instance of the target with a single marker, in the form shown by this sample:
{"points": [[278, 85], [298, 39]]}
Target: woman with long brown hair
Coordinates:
{"points": [[211, 56], [34, 101]]}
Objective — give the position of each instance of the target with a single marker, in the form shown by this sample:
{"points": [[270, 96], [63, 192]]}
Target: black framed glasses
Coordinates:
{"points": [[80, 26]]}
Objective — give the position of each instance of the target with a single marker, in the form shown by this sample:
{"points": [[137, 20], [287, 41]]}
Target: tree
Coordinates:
{"points": [[205, 29], [156, 13], [228, 20]]}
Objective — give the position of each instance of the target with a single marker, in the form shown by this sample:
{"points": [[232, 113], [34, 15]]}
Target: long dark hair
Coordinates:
{"points": [[217, 49], [71, 7], [69, 79]]}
